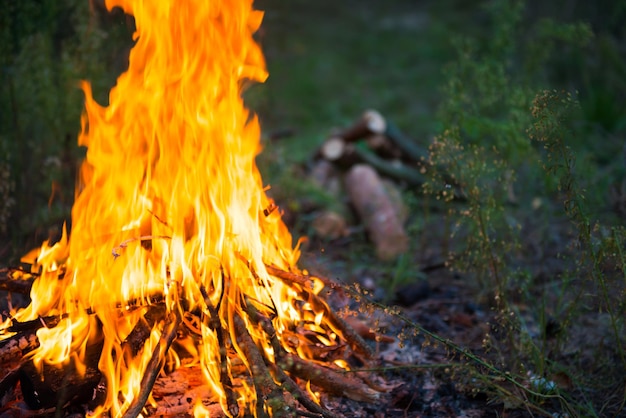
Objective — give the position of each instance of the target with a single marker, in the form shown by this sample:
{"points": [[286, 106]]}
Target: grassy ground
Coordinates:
{"points": [[539, 240], [328, 62]]}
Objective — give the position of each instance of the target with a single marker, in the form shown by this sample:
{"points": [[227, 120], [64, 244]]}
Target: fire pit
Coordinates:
{"points": [[177, 259]]}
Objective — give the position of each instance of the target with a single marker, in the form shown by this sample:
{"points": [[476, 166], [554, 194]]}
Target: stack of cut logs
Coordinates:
{"points": [[366, 156]]}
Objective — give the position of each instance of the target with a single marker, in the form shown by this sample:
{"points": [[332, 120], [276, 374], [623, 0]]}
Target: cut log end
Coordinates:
{"points": [[376, 122]]}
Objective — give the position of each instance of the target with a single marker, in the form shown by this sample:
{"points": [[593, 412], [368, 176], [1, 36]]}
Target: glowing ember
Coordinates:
{"points": [[168, 227]]}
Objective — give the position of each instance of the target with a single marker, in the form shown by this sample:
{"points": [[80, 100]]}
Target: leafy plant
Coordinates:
{"points": [[494, 108]]}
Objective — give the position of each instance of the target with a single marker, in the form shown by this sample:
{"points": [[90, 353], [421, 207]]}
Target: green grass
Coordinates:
{"points": [[329, 61]]}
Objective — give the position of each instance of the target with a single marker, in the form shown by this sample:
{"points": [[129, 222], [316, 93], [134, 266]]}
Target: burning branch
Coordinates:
{"points": [[156, 364], [171, 164]]}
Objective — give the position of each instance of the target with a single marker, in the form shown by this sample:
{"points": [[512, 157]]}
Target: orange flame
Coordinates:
{"points": [[171, 203]]}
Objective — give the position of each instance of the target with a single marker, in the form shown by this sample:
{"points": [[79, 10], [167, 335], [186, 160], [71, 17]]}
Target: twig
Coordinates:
{"points": [[264, 385], [117, 250], [328, 379], [279, 353], [141, 331], [301, 279], [16, 285], [35, 324], [212, 320], [155, 364], [352, 337]]}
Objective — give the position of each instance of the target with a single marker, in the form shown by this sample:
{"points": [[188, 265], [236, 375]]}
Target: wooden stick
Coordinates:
{"points": [[21, 285], [136, 340], [301, 396], [212, 320], [302, 279], [279, 353], [346, 155], [264, 385], [328, 379], [155, 364], [352, 337], [383, 146], [17, 346]]}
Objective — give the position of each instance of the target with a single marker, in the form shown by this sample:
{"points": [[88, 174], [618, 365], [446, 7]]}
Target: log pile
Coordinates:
{"points": [[370, 157], [279, 380]]}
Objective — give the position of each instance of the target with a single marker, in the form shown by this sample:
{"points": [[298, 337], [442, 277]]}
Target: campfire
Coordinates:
{"points": [[177, 257]]}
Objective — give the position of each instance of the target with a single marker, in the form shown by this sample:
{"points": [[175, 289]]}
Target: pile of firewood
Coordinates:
{"points": [[366, 160], [51, 389]]}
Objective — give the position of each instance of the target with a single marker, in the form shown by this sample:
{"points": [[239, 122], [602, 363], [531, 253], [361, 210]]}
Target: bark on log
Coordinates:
{"points": [[328, 379], [383, 146], [406, 144], [14, 348], [10, 284], [367, 194], [155, 364], [54, 386], [397, 170], [374, 123], [345, 155]]}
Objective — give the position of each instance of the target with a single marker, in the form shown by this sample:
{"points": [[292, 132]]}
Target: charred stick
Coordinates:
{"points": [[266, 388], [300, 395], [9, 381], [155, 364], [328, 379], [16, 286], [35, 324], [141, 332], [352, 337], [304, 280], [50, 386], [212, 321], [18, 345], [279, 353]]}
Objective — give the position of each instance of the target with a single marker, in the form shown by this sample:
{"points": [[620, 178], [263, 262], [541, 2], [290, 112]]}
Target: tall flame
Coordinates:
{"points": [[171, 203]]}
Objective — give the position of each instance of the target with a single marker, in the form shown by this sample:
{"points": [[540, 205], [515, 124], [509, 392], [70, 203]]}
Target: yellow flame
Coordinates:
{"points": [[170, 205]]}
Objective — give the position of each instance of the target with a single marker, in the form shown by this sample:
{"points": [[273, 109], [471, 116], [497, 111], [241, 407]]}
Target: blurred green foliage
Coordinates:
{"points": [[46, 48]]}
